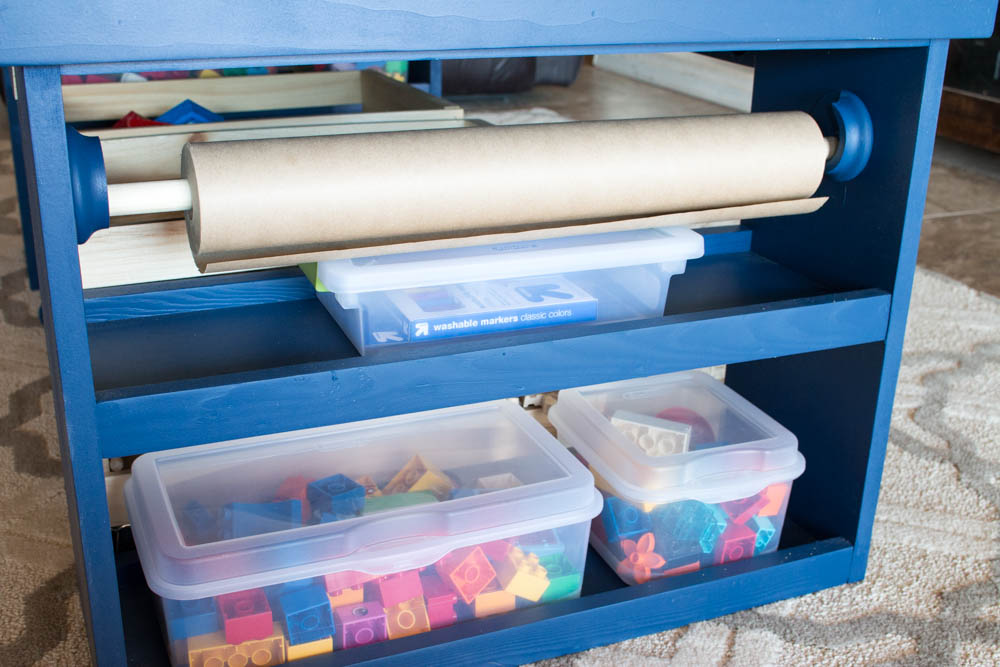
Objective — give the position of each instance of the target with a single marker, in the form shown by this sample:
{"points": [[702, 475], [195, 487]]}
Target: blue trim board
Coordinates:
{"points": [[67, 32], [452, 373], [607, 612], [231, 290], [47, 165]]}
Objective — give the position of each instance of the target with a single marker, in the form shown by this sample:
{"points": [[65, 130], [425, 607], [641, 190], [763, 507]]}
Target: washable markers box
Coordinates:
{"points": [[446, 311], [408, 298]]}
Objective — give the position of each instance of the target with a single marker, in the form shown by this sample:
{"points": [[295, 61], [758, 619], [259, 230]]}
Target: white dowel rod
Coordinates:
{"points": [[148, 197]]}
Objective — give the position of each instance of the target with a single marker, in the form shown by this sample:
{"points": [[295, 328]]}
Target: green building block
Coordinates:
{"points": [[374, 504], [564, 579]]}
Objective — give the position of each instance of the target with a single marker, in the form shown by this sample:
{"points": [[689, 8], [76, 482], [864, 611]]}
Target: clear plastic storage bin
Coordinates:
{"points": [[692, 474], [273, 548], [441, 294]]}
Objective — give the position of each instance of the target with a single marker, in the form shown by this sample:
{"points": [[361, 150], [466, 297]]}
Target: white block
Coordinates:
{"points": [[656, 437]]}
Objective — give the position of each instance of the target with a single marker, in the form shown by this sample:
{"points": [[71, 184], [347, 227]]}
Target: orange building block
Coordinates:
{"points": [[346, 596], [681, 569], [775, 494], [522, 575], [407, 618], [494, 600], [318, 647], [371, 488]]}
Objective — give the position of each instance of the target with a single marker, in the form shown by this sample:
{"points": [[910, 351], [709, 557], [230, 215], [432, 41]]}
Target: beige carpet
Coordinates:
{"points": [[932, 596]]}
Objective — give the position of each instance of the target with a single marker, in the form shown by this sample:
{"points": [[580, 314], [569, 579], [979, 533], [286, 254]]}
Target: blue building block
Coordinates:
{"points": [[307, 614], [200, 524], [187, 618], [245, 519], [543, 543], [765, 532], [465, 493], [189, 112], [690, 521], [623, 520], [336, 497]]}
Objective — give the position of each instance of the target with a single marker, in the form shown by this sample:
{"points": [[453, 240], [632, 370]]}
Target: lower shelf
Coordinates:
{"points": [[607, 612]]}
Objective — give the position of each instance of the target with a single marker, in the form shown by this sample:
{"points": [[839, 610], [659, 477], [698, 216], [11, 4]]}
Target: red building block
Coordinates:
{"points": [[775, 495], [467, 570], [735, 544], [440, 599], [245, 615], [496, 550], [742, 510], [393, 589], [338, 581], [132, 119], [293, 488]]}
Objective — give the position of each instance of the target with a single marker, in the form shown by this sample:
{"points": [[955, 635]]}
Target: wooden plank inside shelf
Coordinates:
{"points": [[233, 94]]}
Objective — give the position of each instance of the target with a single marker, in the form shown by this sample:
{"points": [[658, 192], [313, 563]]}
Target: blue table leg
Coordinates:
{"points": [[22, 190], [51, 204]]}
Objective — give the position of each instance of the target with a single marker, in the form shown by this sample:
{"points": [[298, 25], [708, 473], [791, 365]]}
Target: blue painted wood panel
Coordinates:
{"points": [[24, 207], [47, 167], [75, 31], [211, 409]]}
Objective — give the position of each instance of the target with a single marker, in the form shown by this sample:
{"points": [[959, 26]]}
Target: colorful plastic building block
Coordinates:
{"points": [[337, 497], [308, 649], [347, 596], [200, 524], [307, 614], [765, 532], [465, 493], [564, 579], [522, 575], [416, 475], [504, 480], [496, 550], [640, 559], [742, 510], [775, 494], [543, 543], [400, 587], [380, 503], [407, 618], [245, 615], [701, 430], [467, 570], [132, 119], [653, 435], [361, 624], [371, 488], [440, 600], [735, 544], [263, 652], [493, 600], [189, 112], [209, 650], [294, 488], [246, 519], [693, 566], [340, 580], [685, 522], [187, 618], [623, 520]]}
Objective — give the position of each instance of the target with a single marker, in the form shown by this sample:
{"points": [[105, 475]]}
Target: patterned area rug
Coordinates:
{"points": [[932, 595]]}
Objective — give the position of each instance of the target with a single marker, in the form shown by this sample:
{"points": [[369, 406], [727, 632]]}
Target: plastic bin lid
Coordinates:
{"points": [[511, 260], [228, 516], [733, 449]]}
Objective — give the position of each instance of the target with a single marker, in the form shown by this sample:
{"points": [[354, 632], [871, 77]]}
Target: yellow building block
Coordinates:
{"points": [[208, 74], [261, 652], [346, 596], [493, 600], [318, 647], [416, 475], [522, 575], [407, 618], [211, 650]]}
